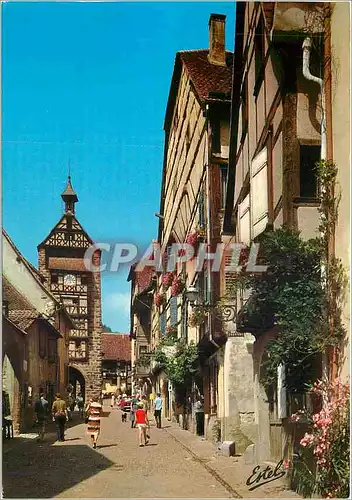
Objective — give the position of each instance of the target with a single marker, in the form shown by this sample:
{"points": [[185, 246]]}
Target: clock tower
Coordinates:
{"points": [[61, 261]]}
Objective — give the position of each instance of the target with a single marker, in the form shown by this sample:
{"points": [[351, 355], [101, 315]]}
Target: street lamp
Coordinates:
{"points": [[192, 294]]}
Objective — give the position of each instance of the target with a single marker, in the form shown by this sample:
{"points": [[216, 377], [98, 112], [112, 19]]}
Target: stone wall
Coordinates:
{"points": [[93, 370], [238, 417]]}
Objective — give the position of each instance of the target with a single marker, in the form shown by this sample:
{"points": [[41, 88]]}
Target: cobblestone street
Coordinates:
{"points": [[118, 468], [174, 464]]}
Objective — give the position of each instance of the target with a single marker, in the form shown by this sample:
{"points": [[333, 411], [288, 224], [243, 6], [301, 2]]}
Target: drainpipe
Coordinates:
{"points": [[307, 45]]}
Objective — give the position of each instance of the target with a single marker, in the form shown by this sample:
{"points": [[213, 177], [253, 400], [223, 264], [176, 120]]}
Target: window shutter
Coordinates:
{"points": [[162, 324], [259, 193], [184, 324], [245, 221], [173, 311]]}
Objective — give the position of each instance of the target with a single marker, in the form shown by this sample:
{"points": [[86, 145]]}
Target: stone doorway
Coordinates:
{"points": [[77, 381]]}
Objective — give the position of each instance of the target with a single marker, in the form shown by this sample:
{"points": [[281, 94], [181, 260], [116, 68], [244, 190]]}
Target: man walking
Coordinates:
{"points": [[60, 416], [199, 414], [158, 406], [41, 410], [134, 407]]}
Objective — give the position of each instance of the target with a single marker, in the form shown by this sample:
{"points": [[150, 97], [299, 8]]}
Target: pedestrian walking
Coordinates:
{"points": [[112, 404], [94, 415], [41, 409], [70, 405], [142, 425], [199, 413], [158, 406], [134, 407], [80, 404], [60, 416]]}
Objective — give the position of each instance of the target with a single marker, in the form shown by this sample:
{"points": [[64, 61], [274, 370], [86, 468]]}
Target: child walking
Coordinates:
{"points": [[142, 425]]}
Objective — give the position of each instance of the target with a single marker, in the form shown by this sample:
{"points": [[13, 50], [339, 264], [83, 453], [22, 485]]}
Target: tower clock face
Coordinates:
{"points": [[69, 279]]}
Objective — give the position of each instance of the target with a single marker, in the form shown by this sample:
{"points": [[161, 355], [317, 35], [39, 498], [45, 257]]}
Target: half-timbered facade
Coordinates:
{"points": [[275, 142], [61, 261], [193, 187]]}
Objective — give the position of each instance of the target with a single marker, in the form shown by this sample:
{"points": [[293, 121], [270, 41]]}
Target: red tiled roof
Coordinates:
{"points": [[207, 77], [116, 346], [68, 264], [22, 319], [144, 278], [16, 301]]}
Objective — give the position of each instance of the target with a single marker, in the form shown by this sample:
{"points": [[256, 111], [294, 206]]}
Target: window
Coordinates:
{"points": [[43, 344], [201, 209], [309, 156], [259, 44], [216, 143], [77, 349], [244, 107], [173, 311], [143, 349], [223, 183], [54, 278], [259, 193], [244, 221], [188, 138]]}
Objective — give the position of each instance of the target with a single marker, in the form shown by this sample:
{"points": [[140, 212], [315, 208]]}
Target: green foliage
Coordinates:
{"points": [[143, 361], [216, 430], [291, 289], [303, 292], [182, 365]]}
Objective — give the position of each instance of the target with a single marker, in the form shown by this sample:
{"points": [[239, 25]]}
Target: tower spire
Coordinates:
{"points": [[69, 196]]}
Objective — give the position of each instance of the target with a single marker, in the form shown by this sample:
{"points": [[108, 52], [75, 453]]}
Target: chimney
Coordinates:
{"points": [[217, 39]]}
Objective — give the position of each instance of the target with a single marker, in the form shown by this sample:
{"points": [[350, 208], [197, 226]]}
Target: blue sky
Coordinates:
{"points": [[89, 82]]}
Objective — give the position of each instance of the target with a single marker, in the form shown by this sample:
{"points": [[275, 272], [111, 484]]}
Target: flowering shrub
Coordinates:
{"points": [[171, 332], [177, 287], [195, 237], [167, 279], [328, 440], [159, 299], [197, 318]]}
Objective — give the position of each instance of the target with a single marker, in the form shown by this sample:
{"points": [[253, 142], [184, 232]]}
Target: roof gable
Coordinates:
{"points": [[69, 233], [116, 346], [211, 83]]}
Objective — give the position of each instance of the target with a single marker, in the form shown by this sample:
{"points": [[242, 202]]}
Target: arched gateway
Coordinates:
{"points": [[61, 261]]}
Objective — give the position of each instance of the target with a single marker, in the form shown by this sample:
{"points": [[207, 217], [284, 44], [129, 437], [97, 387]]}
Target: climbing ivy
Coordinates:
{"points": [[291, 289], [303, 290]]}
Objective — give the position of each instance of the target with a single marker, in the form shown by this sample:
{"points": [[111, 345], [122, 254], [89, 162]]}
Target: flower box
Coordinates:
{"points": [[177, 287], [167, 280], [195, 237], [197, 318], [159, 299], [171, 332]]}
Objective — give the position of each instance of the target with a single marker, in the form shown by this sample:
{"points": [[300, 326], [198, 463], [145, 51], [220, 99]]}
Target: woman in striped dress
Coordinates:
{"points": [[94, 411]]}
